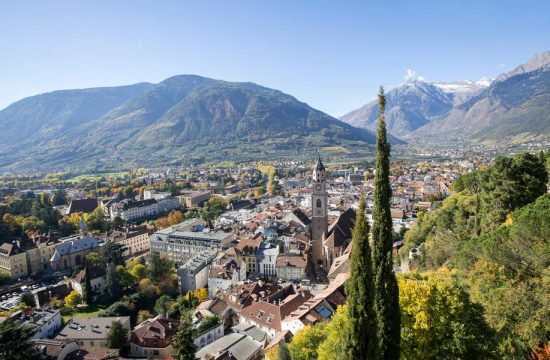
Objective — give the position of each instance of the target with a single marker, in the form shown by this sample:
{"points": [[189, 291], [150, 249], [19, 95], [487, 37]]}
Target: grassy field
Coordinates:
{"points": [[87, 311]]}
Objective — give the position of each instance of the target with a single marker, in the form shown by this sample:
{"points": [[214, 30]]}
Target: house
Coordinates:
{"points": [[44, 322], [85, 206], [194, 273], [193, 199], [398, 215], [244, 343], [153, 338], [246, 251], [298, 217], [208, 329], [225, 272], [13, 261], [91, 333], [135, 241], [71, 252], [318, 308], [53, 349], [97, 281], [268, 313], [266, 258], [291, 267], [131, 210]]}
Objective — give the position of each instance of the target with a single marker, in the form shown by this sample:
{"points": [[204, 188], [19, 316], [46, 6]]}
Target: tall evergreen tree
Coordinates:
{"points": [[15, 341], [283, 352], [184, 346], [88, 290], [386, 292], [361, 337]]}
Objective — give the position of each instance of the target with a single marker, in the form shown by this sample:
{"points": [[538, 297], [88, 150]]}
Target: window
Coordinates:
{"points": [[319, 204]]}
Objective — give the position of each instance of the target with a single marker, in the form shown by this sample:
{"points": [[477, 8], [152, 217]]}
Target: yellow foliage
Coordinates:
{"points": [[73, 299], [305, 343], [336, 329], [272, 354], [201, 294], [146, 287]]}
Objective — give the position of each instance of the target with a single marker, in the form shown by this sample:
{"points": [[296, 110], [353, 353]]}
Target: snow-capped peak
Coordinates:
{"points": [[462, 86], [484, 82]]}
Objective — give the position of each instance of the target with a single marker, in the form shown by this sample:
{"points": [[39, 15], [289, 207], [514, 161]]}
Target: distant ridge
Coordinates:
{"points": [[513, 107], [183, 118]]}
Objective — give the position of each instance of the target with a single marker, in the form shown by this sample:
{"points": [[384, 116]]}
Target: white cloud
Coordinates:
{"points": [[501, 65], [410, 74]]}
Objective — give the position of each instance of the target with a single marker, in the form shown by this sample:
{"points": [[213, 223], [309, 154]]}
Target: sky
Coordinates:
{"points": [[332, 55]]}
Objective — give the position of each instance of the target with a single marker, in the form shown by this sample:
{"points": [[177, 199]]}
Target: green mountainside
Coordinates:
{"points": [[184, 118]]}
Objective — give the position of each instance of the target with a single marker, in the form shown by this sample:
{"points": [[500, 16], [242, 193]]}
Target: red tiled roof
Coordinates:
{"points": [[155, 333], [271, 315]]}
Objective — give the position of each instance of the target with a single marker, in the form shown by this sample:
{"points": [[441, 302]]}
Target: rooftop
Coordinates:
{"points": [[91, 328]]}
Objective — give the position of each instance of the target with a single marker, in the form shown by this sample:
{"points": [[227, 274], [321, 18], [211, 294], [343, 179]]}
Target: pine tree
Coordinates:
{"points": [[184, 346], [361, 339], [386, 301]]}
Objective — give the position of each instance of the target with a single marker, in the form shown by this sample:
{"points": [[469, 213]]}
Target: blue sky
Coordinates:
{"points": [[331, 54]]}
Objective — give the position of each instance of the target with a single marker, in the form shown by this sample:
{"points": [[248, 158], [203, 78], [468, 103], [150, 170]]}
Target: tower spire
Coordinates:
{"points": [[319, 220]]}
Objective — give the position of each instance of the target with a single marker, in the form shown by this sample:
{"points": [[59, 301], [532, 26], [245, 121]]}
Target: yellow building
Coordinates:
{"points": [[39, 255], [13, 261]]}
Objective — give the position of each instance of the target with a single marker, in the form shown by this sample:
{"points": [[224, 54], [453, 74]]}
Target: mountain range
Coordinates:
{"points": [[514, 107], [183, 118], [189, 118]]}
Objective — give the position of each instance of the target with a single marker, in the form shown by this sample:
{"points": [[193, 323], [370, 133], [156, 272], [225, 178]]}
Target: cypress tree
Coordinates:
{"points": [[361, 338], [283, 353], [183, 343], [88, 291], [386, 292]]}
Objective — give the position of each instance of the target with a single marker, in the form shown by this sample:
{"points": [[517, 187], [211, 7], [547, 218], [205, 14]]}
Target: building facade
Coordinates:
{"points": [[13, 261], [71, 252], [183, 241], [194, 273], [319, 220]]}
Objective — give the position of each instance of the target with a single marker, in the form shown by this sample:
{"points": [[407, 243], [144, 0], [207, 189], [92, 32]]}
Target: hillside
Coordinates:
{"points": [[184, 118], [514, 107], [413, 105], [41, 118]]}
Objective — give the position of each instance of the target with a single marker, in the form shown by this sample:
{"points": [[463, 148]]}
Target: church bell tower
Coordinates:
{"points": [[319, 220]]}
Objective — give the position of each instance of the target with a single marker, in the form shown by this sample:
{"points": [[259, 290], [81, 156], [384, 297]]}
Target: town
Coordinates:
{"points": [[255, 251]]}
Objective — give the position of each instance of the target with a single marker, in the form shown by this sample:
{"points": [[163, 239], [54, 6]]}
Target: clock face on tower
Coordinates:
{"points": [[319, 212], [318, 187]]}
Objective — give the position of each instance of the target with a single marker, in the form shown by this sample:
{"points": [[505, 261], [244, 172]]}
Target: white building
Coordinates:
{"points": [[45, 323], [266, 258], [194, 273], [183, 241], [225, 272]]}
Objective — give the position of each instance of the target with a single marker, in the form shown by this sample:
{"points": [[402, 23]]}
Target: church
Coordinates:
{"points": [[327, 242]]}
